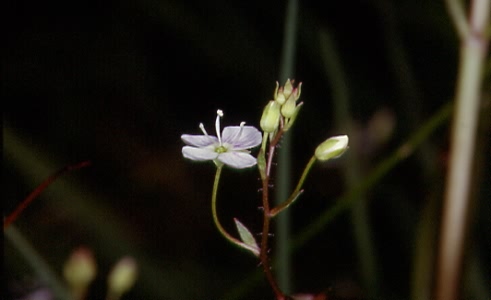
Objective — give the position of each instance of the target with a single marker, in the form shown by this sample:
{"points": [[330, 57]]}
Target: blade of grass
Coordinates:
{"points": [[283, 179]]}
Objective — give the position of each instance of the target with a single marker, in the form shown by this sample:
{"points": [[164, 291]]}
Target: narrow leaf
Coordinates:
{"points": [[247, 237]]}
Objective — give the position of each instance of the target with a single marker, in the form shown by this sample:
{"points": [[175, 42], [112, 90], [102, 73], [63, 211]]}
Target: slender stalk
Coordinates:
{"points": [[219, 226], [298, 190], [264, 242], [459, 178], [272, 147]]}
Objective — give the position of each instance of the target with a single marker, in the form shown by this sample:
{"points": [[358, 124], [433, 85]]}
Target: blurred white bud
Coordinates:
{"points": [[122, 277]]}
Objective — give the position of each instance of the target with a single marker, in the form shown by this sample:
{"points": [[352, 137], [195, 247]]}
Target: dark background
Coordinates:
{"points": [[117, 83]]}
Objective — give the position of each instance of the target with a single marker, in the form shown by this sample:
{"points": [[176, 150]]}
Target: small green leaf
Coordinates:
{"points": [[247, 237]]}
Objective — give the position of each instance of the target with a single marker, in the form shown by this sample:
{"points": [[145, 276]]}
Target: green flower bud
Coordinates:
{"points": [[288, 109], [288, 88], [270, 119], [122, 276], [291, 119], [297, 92], [280, 98], [80, 270], [332, 148]]}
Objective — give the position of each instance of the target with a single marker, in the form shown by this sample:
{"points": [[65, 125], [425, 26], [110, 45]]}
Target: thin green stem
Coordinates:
{"points": [[298, 189], [219, 226]]}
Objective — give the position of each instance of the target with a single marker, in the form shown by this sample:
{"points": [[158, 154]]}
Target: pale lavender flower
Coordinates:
{"points": [[230, 147]]}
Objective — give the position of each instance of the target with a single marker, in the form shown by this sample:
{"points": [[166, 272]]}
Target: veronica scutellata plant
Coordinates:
{"points": [[231, 147]]}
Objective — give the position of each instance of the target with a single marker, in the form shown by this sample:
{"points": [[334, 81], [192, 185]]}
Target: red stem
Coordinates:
{"points": [[34, 194], [266, 221]]}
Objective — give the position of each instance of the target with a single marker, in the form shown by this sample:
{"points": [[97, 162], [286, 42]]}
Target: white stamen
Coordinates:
{"points": [[202, 127], [241, 127], [217, 125]]}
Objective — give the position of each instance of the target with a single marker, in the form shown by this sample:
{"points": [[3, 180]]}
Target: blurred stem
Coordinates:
{"points": [[352, 168], [219, 226], [39, 265], [459, 178], [374, 176], [457, 13], [283, 181], [34, 194]]}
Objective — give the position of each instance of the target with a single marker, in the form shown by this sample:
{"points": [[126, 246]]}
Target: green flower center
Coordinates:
{"points": [[220, 149]]}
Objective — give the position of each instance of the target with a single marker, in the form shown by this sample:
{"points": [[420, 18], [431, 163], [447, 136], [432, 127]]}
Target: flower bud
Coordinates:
{"points": [[80, 270], [288, 109], [332, 148], [280, 98], [297, 91], [270, 119], [288, 88], [123, 276], [291, 118]]}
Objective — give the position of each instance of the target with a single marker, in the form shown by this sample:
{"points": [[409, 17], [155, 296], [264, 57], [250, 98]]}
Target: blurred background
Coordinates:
{"points": [[118, 82]]}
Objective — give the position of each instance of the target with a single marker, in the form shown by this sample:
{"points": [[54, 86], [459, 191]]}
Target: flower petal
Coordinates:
{"points": [[199, 140], [249, 137], [238, 160], [199, 154]]}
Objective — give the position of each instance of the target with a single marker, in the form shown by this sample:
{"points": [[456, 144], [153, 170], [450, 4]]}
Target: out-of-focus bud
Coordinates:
{"points": [[122, 277], [332, 148], [79, 271], [270, 119]]}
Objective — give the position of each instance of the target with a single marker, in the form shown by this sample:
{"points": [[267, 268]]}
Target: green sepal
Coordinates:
{"points": [[261, 164]]}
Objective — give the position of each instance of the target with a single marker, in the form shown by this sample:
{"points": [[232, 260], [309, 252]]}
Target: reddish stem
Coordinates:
{"points": [[34, 194], [266, 221]]}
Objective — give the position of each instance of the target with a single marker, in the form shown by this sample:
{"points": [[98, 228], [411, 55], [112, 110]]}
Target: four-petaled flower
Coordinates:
{"points": [[229, 148]]}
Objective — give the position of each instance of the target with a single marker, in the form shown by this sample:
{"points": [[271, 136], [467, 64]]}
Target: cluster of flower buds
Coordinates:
{"points": [[80, 270], [283, 110]]}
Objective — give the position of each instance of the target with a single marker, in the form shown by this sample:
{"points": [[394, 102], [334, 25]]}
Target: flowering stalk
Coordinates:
{"points": [[230, 147], [275, 123], [219, 226], [267, 217]]}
